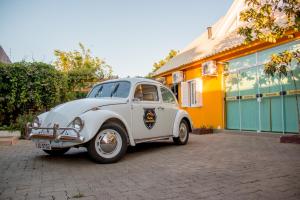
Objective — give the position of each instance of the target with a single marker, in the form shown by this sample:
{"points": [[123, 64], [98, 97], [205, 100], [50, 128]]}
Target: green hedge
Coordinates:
{"points": [[28, 88]]}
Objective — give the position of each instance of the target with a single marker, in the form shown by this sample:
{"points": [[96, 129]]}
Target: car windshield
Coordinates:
{"points": [[118, 89]]}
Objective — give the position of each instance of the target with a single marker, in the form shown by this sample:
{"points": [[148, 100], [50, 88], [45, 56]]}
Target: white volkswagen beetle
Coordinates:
{"points": [[115, 114]]}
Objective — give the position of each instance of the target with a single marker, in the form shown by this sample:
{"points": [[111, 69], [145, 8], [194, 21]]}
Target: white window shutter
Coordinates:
{"points": [[184, 94], [199, 91]]}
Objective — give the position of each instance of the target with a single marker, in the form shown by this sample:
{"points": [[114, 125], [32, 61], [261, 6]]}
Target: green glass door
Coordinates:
{"points": [[265, 103], [271, 103], [232, 104], [248, 88], [290, 103]]}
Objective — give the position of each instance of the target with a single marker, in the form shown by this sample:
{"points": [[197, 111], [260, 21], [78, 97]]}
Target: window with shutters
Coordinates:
{"points": [[191, 93]]}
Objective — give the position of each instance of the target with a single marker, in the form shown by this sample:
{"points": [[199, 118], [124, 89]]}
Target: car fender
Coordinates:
{"points": [[93, 120], [42, 116], [179, 116]]}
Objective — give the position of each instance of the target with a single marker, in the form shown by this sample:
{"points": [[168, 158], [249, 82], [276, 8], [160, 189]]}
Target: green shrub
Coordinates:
{"points": [[29, 88], [80, 95], [22, 120]]}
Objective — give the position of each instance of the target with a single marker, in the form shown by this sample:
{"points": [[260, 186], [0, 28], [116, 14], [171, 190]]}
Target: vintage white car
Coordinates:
{"points": [[115, 114]]}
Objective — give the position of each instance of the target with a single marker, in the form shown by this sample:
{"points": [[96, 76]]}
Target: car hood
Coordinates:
{"points": [[63, 114]]}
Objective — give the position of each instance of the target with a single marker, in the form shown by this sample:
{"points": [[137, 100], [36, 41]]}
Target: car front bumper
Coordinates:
{"points": [[55, 133]]}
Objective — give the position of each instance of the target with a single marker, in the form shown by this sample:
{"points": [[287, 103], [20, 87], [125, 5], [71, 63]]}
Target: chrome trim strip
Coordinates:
{"points": [[137, 141]]}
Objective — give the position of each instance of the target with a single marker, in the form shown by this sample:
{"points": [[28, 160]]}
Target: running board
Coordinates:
{"points": [[137, 141]]}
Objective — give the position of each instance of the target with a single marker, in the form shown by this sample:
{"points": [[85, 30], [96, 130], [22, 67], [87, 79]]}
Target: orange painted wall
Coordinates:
{"points": [[211, 113]]}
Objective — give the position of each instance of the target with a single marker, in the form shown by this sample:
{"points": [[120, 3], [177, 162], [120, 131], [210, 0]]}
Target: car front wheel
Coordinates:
{"points": [[109, 145], [183, 135]]}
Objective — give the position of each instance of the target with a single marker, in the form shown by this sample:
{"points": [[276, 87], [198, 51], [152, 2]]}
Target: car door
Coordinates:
{"points": [[147, 112], [169, 107]]}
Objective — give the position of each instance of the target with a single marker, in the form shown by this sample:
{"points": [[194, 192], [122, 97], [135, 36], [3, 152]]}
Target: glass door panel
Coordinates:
{"points": [[271, 103], [265, 104], [232, 104], [248, 87], [290, 114]]}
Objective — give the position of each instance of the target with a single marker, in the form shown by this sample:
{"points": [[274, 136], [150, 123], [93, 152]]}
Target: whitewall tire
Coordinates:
{"points": [[109, 145], [183, 133]]}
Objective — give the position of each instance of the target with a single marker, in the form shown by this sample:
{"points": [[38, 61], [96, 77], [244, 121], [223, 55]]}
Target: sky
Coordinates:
{"points": [[130, 35]]}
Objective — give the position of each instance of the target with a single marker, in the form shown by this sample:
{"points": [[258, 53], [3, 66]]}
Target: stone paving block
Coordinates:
{"points": [[219, 166]]}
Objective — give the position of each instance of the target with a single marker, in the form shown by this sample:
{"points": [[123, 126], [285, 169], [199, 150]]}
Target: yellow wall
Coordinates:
{"points": [[211, 113]]}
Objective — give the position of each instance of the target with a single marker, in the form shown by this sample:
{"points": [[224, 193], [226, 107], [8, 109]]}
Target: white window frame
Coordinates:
{"points": [[191, 93]]}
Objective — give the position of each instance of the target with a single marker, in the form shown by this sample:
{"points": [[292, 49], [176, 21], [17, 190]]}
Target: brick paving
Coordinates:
{"points": [[218, 166]]}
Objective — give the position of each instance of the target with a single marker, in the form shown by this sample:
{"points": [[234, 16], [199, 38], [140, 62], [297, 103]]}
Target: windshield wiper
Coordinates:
{"points": [[114, 90], [99, 91]]}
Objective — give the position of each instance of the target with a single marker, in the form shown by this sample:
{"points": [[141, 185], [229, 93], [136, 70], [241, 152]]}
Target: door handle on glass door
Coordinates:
{"points": [[160, 108]]}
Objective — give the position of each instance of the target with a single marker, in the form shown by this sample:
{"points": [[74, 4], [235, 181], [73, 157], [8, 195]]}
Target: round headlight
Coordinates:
{"points": [[36, 123], [77, 124]]}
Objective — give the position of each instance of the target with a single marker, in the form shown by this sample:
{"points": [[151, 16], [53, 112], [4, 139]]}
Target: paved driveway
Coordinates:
{"points": [[219, 166]]}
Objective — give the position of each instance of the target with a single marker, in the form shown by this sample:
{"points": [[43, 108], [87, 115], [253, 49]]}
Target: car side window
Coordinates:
{"points": [[167, 96], [145, 92]]}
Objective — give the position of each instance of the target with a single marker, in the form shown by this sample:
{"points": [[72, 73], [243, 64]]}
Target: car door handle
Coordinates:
{"points": [[160, 108]]}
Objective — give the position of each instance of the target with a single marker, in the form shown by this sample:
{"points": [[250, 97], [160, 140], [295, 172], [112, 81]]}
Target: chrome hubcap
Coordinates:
{"points": [[182, 132], [108, 143]]}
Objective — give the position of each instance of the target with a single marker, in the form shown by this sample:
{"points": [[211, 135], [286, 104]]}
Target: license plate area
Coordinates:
{"points": [[43, 144], [42, 131]]}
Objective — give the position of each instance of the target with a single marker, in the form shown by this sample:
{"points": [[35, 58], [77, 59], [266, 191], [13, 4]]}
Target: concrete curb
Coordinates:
{"points": [[8, 138], [8, 141]]}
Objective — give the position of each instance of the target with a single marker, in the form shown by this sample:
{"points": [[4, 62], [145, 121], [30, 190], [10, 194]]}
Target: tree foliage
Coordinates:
{"points": [[172, 53], [279, 63], [269, 20], [81, 67], [162, 62]]}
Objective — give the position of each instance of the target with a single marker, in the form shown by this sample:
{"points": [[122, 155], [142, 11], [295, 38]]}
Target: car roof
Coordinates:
{"points": [[133, 81]]}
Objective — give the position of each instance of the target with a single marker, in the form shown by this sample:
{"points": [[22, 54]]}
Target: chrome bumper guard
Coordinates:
{"points": [[56, 135]]}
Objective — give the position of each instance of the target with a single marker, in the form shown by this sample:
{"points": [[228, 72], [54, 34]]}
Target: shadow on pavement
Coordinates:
{"points": [[149, 147], [80, 155]]}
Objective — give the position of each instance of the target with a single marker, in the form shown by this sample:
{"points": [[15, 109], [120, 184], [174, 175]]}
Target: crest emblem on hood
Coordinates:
{"points": [[149, 117]]}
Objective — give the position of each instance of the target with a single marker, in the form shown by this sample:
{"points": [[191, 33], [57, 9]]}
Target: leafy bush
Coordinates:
{"points": [[22, 120], [29, 88], [80, 95]]}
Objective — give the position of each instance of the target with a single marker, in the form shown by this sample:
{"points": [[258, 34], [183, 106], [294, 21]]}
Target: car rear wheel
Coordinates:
{"points": [[183, 136], [56, 151], [109, 145]]}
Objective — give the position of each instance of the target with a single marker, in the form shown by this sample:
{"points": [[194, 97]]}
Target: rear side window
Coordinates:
{"points": [[167, 96], [145, 92]]}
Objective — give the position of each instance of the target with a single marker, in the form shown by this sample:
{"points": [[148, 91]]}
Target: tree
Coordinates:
{"points": [[162, 62], [269, 20], [159, 64], [68, 61], [81, 67]]}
